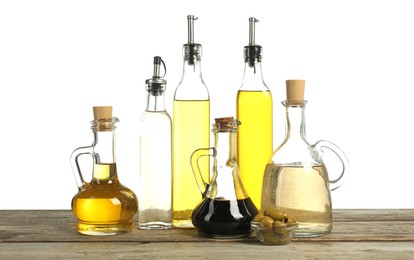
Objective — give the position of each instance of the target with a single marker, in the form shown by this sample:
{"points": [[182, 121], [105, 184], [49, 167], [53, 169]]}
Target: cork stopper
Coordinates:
{"points": [[102, 112], [224, 120], [295, 89], [102, 116], [225, 124]]}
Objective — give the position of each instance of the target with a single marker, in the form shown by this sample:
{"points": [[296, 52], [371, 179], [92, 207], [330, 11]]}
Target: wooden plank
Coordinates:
{"points": [[359, 215], [341, 215], [208, 250], [59, 226]]}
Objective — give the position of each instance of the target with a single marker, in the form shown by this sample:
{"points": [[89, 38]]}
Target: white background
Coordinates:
{"points": [[60, 58]]}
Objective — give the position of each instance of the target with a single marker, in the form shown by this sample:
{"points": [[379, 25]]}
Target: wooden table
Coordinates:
{"points": [[357, 234]]}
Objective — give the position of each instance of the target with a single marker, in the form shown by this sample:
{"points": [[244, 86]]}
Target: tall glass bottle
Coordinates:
{"points": [[102, 206], [155, 152], [191, 130], [255, 112]]}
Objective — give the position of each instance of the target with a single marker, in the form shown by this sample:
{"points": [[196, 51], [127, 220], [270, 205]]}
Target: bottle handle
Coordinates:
{"points": [[75, 164], [318, 146], [195, 156]]}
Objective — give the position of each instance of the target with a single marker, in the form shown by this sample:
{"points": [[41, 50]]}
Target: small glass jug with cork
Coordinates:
{"points": [[226, 209], [296, 179], [102, 206]]}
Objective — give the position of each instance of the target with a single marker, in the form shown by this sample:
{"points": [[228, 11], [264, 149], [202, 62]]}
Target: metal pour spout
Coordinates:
{"points": [[192, 51], [252, 52], [191, 19], [252, 30]]}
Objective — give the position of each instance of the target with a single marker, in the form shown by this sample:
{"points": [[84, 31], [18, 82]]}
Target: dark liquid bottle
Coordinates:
{"points": [[224, 218], [226, 210]]}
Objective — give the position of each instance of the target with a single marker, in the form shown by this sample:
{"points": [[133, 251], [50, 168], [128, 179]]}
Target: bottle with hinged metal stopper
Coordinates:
{"points": [[255, 112], [155, 156], [191, 129]]}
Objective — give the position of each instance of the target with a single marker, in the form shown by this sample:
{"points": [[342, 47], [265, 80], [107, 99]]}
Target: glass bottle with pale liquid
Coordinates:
{"points": [[155, 156], [255, 112], [102, 206], [296, 178], [191, 130]]}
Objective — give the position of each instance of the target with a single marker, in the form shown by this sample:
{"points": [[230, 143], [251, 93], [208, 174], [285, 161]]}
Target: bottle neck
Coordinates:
{"points": [[226, 145], [295, 121], [104, 155], [192, 68], [155, 101], [252, 77]]}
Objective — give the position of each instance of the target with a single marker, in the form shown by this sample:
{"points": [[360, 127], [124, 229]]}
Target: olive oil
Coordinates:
{"points": [[255, 142], [104, 206], [191, 131], [301, 191]]}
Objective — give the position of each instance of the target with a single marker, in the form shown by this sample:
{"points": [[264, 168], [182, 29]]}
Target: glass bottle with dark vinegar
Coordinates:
{"points": [[226, 210], [102, 206]]}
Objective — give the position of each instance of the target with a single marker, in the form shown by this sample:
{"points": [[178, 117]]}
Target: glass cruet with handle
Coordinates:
{"points": [[102, 206], [296, 178]]}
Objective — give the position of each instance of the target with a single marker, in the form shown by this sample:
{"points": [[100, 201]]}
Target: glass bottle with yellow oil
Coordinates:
{"points": [[255, 112], [191, 130], [102, 206]]}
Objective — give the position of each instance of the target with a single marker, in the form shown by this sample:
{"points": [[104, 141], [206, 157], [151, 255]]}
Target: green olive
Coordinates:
{"points": [[267, 222], [290, 221], [269, 238], [278, 214], [266, 212], [258, 217], [279, 225]]}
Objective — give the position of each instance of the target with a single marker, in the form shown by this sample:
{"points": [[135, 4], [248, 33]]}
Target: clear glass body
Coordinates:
{"points": [[226, 209], [191, 130], [296, 179], [255, 139], [102, 206], [155, 164]]}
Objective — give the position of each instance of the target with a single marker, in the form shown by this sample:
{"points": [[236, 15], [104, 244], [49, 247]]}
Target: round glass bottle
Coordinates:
{"points": [[226, 209], [296, 179], [102, 206]]}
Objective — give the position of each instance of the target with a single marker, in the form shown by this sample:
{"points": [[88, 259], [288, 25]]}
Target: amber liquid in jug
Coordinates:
{"points": [[102, 206]]}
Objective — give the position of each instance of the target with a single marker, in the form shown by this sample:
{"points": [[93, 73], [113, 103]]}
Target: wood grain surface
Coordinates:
{"points": [[357, 234]]}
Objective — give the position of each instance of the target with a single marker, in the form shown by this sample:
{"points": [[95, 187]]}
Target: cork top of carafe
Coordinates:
{"points": [[226, 124], [102, 112], [295, 89], [103, 120]]}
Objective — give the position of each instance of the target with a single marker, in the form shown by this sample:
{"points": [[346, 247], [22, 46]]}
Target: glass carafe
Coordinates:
{"points": [[226, 210], [296, 179], [102, 206]]}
